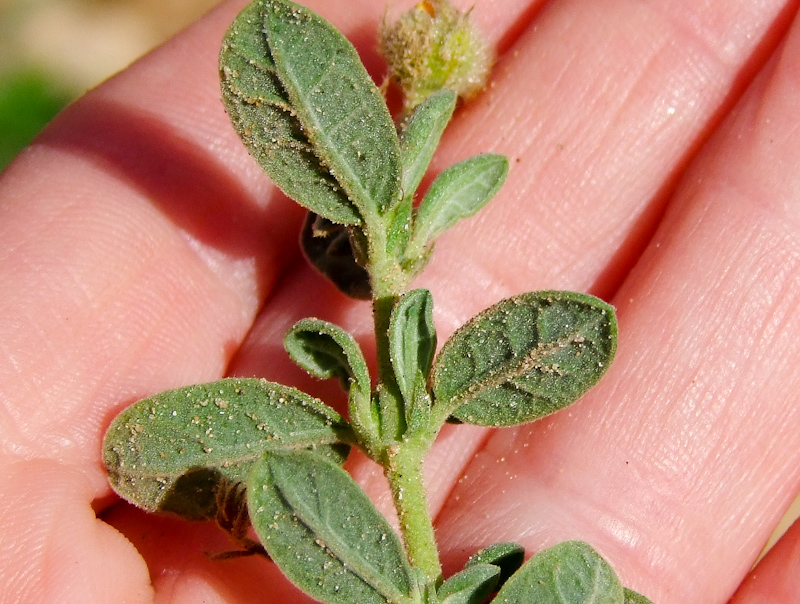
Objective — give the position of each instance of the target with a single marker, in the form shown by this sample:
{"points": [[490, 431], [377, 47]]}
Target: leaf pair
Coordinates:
{"points": [[325, 350], [484, 573], [522, 359], [459, 191], [341, 554], [570, 572]]}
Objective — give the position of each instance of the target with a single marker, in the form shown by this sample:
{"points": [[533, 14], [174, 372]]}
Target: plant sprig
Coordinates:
{"points": [[245, 450]]}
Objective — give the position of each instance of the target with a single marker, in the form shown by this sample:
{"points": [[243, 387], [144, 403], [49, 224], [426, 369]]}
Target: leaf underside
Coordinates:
{"points": [[524, 358], [325, 350], [323, 531], [328, 249], [169, 452]]}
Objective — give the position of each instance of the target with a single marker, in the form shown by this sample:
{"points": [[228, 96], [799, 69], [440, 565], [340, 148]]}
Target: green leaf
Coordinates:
{"points": [[263, 116], [524, 358], [470, 586], [323, 531], [568, 573], [458, 192], [631, 597], [169, 452], [326, 350], [421, 135], [412, 345], [337, 102], [507, 556], [306, 108]]}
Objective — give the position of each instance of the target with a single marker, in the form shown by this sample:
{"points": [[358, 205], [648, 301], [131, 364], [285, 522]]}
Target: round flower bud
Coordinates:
{"points": [[435, 46]]}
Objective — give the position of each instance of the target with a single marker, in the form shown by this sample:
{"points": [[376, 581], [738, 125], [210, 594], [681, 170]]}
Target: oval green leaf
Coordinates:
{"points": [[458, 192], [568, 573], [525, 358], [169, 452], [420, 136], [263, 116], [326, 350], [334, 99], [470, 586], [507, 556], [323, 531]]}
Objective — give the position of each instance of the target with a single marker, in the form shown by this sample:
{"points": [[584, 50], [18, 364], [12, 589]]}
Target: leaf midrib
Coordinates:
{"points": [[519, 367], [362, 569]]}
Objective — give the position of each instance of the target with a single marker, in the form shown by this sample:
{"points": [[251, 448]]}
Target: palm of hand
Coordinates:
{"points": [[144, 250]]}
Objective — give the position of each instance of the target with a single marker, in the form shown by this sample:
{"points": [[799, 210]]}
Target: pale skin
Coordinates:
{"points": [[655, 162]]}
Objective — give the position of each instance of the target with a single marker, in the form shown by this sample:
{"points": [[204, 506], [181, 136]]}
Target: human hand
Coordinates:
{"points": [[654, 162]]}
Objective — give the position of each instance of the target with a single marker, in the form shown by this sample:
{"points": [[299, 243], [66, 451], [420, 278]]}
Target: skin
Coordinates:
{"points": [[655, 162]]}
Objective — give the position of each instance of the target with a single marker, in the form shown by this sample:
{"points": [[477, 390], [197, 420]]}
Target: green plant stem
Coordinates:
{"points": [[403, 470], [402, 461]]}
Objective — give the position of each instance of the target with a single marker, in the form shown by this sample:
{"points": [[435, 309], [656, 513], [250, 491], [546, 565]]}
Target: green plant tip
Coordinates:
{"points": [[435, 46]]}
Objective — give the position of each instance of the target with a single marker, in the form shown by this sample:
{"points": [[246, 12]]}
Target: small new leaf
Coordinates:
{"points": [[524, 358], [324, 533], [470, 586], [570, 572], [170, 452], [420, 136], [458, 192], [412, 345], [326, 350]]}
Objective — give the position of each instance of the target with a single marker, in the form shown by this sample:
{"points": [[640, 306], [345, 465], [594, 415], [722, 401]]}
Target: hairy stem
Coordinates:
{"points": [[403, 470], [402, 460]]}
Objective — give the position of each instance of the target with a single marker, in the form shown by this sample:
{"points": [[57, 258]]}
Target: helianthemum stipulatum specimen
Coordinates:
{"points": [[245, 450]]}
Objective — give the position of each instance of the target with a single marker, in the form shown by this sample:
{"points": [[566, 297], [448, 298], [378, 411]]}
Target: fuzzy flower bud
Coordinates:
{"points": [[435, 46]]}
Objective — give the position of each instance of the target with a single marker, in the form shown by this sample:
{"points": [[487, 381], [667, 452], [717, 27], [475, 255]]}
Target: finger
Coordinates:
{"points": [[680, 463], [776, 578]]}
